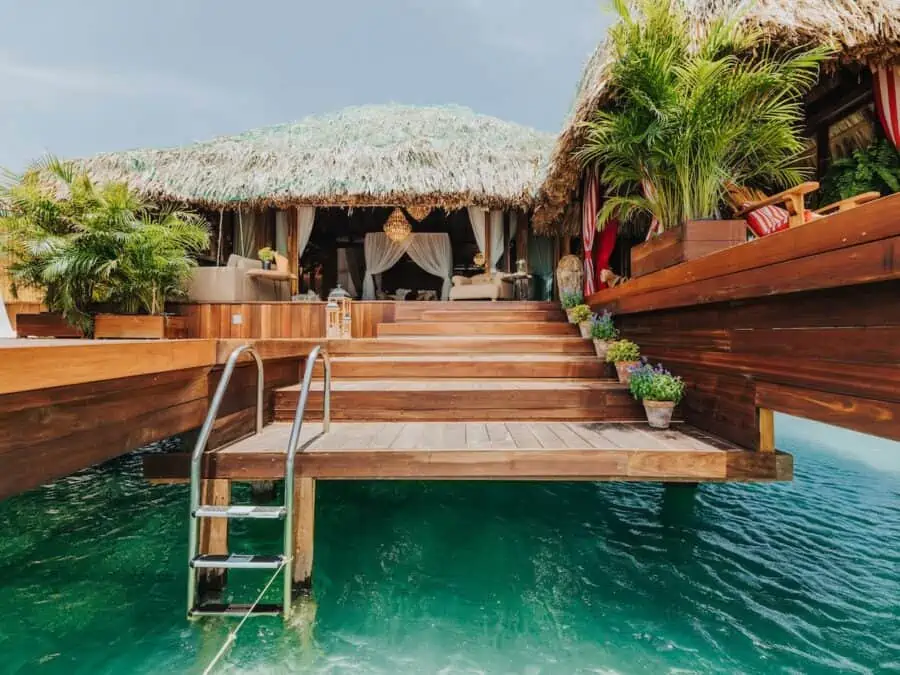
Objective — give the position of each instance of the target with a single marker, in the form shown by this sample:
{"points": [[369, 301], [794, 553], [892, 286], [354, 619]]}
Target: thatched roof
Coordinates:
{"points": [[864, 31], [376, 155]]}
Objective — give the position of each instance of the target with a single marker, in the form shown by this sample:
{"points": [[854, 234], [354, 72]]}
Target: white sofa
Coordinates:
{"points": [[481, 287], [232, 284]]}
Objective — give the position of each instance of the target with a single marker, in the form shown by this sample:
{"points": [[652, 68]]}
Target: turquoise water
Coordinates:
{"points": [[482, 578]]}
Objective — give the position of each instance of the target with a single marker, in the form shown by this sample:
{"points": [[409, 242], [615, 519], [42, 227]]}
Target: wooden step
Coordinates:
{"points": [[455, 315], [471, 344], [476, 328], [466, 400], [405, 311], [510, 366]]}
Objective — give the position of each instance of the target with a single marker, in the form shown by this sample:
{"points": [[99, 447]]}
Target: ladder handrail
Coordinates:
{"points": [[203, 438], [292, 448]]}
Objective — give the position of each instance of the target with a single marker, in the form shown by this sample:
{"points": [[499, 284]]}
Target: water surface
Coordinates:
{"points": [[480, 577]]}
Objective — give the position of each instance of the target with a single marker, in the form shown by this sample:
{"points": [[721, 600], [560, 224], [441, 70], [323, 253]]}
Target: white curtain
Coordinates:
{"points": [[6, 330], [245, 232], [381, 254], [345, 276], [434, 254], [306, 216], [477, 220], [281, 232]]}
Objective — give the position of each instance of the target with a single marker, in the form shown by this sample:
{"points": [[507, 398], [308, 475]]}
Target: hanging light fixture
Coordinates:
{"points": [[478, 260], [397, 228], [419, 213]]}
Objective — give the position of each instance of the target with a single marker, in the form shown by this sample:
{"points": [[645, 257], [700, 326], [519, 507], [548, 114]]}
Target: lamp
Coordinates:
{"points": [[397, 228], [478, 259], [339, 304], [419, 213]]}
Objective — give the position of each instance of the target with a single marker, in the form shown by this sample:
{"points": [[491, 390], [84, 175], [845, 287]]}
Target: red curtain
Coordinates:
{"points": [[603, 248], [590, 204], [886, 83]]}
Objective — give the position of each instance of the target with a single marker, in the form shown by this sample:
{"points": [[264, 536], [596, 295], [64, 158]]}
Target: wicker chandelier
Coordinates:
{"points": [[397, 228], [418, 213]]}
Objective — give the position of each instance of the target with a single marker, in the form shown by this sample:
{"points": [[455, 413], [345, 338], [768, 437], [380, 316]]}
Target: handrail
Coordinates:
{"points": [[203, 438], [293, 445]]}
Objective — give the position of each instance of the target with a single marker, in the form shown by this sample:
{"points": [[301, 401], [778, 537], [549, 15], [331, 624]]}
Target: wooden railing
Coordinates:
{"points": [[805, 322]]}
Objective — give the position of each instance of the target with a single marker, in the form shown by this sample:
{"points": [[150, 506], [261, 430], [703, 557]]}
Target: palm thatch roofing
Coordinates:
{"points": [[861, 31], [374, 155]]}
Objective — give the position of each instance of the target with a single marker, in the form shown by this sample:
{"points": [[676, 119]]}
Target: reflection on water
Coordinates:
{"points": [[480, 578]]}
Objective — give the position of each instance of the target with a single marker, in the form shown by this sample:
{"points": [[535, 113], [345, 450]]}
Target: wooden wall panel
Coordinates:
{"points": [[806, 322]]}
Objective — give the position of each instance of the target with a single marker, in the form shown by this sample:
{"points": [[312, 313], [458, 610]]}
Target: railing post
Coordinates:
{"points": [[766, 430]]}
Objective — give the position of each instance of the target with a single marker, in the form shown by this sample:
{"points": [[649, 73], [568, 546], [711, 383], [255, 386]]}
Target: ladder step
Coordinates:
{"points": [[234, 609], [236, 561], [237, 511]]}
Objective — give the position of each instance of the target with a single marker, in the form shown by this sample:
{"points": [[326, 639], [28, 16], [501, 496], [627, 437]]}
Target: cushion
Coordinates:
{"points": [[770, 219], [239, 261], [461, 281]]}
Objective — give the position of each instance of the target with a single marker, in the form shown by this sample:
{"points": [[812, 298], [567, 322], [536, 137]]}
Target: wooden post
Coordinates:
{"points": [[292, 252], [556, 257], [304, 532], [766, 430], [506, 226], [566, 245], [213, 535], [488, 267]]}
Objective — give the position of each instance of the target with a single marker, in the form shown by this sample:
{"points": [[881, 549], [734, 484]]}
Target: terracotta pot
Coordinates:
{"points": [[622, 370], [659, 413], [569, 316], [585, 329], [601, 347]]}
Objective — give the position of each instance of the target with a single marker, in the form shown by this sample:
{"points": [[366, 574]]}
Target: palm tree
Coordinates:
{"points": [[689, 114], [85, 244]]}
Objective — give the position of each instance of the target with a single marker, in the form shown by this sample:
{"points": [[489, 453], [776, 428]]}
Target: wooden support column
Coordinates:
{"points": [[566, 245], [292, 252], [487, 243], [304, 532], [766, 430], [556, 257], [213, 535]]}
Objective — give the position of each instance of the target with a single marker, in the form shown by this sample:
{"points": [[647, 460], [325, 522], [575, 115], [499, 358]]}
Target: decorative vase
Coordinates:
{"points": [[585, 329], [622, 370], [569, 316], [659, 413], [601, 347]]}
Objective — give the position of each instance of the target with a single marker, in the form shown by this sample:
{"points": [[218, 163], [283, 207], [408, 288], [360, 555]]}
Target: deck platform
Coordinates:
{"points": [[567, 451]]}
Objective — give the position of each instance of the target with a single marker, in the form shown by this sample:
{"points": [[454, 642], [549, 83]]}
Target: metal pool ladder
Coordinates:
{"points": [[277, 563]]}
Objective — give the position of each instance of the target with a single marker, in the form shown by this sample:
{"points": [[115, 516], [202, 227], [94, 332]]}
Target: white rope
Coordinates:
{"points": [[232, 636]]}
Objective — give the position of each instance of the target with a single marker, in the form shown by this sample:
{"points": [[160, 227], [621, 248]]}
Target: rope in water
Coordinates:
{"points": [[232, 636]]}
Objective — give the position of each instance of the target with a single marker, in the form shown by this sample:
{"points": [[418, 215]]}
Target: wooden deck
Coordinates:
{"points": [[485, 451]]}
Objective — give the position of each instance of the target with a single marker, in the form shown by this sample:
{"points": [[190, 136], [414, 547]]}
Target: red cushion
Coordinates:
{"points": [[767, 220]]}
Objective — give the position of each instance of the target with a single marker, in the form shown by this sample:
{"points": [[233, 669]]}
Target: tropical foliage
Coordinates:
{"points": [[874, 168], [85, 244], [623, 351], [571, 299], [602, 327], [581, 313], [655, 383], [691, 112]]}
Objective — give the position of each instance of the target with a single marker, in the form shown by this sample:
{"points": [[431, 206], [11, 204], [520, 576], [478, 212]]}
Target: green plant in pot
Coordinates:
{"points": [[581, 315], [658, 390], [624, 354], [691, 107], [570, 300], [603, 333], [267, 256]]}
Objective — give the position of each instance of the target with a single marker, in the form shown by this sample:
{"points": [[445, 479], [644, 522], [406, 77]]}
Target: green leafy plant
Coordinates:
{"points": [[85, 245], [693, 108], [602, 327], [571, 299], [623, 350], [581, 313], [266, 254], [655, 383], [875, 168]]}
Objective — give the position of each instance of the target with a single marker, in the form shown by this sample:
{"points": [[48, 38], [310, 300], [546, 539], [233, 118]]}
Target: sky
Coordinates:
{"points": [[77, 78]]}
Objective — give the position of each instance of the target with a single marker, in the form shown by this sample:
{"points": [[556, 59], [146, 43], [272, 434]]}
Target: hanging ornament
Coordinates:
{"points": [[397, 228], [418, 213], [478, 259]]}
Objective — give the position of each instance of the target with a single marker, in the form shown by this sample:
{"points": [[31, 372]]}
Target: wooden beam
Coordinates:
{"points": [[766, 430], [292, 252], [213, 534], [304, 532]]}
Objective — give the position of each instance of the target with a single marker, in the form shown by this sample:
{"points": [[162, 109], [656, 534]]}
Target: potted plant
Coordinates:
{"points": [[659, 391], [570, 300], [267, 256], [603, 333], [625, 355], [688, 113], [581, 314], [88, 246]]}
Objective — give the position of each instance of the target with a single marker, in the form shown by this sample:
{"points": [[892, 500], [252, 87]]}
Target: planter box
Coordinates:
{"points": [[45, 325], [694, 239], [139, 326]]}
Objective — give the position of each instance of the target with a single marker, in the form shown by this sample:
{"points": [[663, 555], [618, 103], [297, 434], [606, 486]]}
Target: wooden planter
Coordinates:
{"points": [[694, 239], [139, 326], [45, 325]]}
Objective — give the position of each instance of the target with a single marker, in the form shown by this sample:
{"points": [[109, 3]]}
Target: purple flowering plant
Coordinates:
{"points": [[655, 383]]}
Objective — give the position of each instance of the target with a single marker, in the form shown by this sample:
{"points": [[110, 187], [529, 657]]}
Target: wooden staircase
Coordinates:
{"points": [[469, 361]]}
